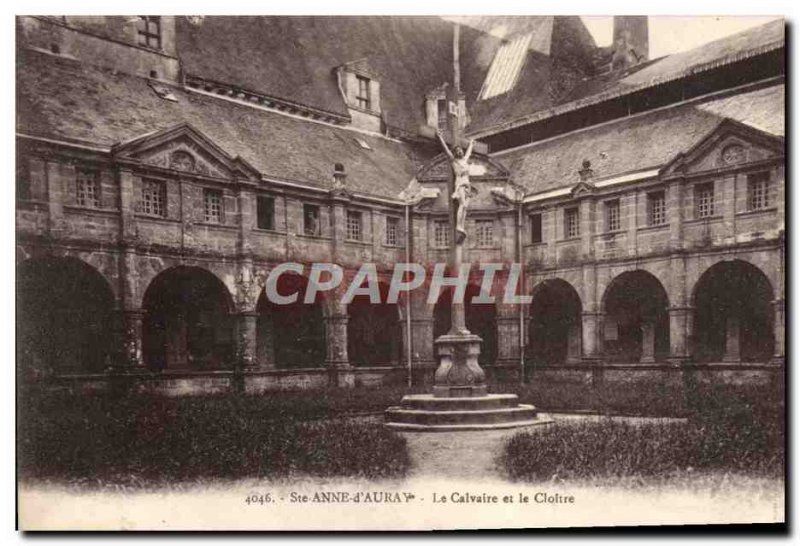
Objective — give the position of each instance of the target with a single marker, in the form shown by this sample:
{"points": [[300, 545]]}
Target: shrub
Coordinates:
{"points": [[144, 440], [725, 432]]}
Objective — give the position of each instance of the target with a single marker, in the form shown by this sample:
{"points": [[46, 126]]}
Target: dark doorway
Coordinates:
{"points": [[733, 317], [64, 317], [555, 323], [636, 322], [293, 335], [373, 331], [188, 322]]}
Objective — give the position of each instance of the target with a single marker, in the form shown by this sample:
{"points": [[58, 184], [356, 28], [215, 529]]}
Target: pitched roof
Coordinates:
{"points": [[64, 99], [640, 142], [294, 58], [723, 51]]}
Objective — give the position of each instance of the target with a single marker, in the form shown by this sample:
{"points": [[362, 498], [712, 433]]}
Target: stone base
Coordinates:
{"points": [[429, 413]]}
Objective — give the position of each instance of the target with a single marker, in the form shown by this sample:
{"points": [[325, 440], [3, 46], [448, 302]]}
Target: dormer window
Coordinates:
{"points": [[363, 97], [149, 31]]}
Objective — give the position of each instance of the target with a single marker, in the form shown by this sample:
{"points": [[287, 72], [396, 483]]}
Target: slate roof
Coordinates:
{"points": [[65, 99], [641, 142], [294, 58], [728, 49]]}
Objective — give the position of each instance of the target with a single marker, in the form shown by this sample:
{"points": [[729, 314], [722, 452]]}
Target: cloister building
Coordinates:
{"points": [[165, 165]]}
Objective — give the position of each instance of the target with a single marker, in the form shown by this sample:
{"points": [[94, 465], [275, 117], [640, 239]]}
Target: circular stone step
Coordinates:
{"points": [[425, 412]]}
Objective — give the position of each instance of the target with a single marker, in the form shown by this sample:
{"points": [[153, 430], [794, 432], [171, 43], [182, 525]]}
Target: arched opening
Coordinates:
{"points": [[554, 329], [373, 331], [636, 322], [65, 313], [293, 335], [481, 319], [733, 317], [187, 322]]}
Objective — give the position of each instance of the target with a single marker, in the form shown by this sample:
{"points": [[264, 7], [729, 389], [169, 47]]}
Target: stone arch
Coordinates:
{"points": [[374, 331], [481, 319], [733, 315], [555, 323], [293, 335], [636, 319], [65, 316], [188, 321]]}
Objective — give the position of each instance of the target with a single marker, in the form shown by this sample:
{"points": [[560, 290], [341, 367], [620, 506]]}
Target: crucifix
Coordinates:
{"points": [[458, 373]]}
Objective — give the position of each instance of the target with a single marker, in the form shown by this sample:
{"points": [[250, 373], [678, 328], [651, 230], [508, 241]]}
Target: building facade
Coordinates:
{"points": [[165, 165]]}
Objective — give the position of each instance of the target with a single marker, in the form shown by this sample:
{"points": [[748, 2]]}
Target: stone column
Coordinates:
{"points": [[592, 326], [648, 343], [507, 335], [573, 343], [679, 332], [265, 342], [336, 340], [422, 342], [246, 339], [732, 353], [132, 320], [779, 331]]}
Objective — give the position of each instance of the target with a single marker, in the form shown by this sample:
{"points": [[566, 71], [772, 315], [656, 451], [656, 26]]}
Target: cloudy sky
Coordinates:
{"points": [[671, 34]]}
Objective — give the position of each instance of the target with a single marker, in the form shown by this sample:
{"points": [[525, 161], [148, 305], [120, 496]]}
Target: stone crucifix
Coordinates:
{"points": [[463, 191]]}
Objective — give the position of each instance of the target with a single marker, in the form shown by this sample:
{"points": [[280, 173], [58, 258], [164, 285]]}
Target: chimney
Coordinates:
{"points": [[631, 43]]}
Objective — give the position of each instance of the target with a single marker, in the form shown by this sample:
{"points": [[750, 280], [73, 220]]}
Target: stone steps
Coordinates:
{"points": [[426, 412]]}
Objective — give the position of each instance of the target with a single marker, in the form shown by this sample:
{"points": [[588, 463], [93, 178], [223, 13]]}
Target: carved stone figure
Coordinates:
{"points": [[463, 190]]}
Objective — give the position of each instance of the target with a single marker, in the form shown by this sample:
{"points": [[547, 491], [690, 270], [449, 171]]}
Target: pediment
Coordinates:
{"points": [[185, 149], [729, 145], [480, 167]]}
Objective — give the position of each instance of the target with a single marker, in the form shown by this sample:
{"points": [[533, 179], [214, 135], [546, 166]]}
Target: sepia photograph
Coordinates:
{"points": [[399, 272]]}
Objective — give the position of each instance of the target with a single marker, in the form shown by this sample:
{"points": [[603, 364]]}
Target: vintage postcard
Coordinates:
{"points": [[399, 272]]}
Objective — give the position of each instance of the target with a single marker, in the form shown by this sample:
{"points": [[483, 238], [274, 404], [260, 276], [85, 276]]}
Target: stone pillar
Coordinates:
{"points": [[573, 343], [592, 326], [507, 335], [132, 320], [336, 340], [779, 326], [679, 319], [648, 343], [59, 178], [246, 339], [265, 342], [732, 353]]}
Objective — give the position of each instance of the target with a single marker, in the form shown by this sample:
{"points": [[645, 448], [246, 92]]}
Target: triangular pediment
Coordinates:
{"points": [[582, 188], [729, 145], [183, 148], [480, 167]]}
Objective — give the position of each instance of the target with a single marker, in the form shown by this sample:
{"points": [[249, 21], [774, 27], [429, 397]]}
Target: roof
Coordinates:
{"points": [[63, 99], [640, 142], [719, 52], [294, 58], [546, 73]]}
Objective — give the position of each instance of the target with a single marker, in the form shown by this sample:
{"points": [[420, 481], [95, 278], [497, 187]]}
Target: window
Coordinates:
{"points": [[392, 227], [149, 31], [265, 212], [571, 226], [758, 191], [485, 233], [704, 200], [362, 98], [353, 225], [441, 234], [612, 215], [154, 197], [656, 208], [212, 206], [311, 224], [87, 190], [536, 228]]}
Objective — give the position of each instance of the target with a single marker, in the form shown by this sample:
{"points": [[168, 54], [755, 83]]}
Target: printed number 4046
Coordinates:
{"points": [[266, 498]]}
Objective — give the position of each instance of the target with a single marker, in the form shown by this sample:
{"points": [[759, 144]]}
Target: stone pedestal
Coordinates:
{"points": [[459, 374]]}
